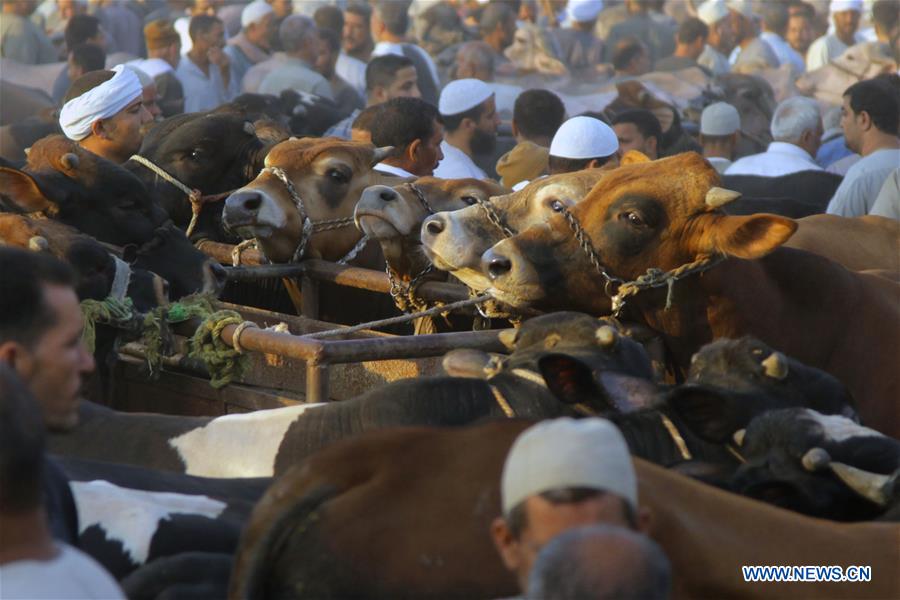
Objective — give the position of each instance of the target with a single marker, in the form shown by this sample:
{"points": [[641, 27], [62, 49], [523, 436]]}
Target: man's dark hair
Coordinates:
{"points": [[329, 17], [24, 315], [880, 99], [394, 15], [90, 57], [517, 518], [627, 50], [644, 120], [331, 38], [86, 82], [691, 29], [775, 16], [201, 24], [365, 118], [401, 121], [495, 13], [559, 164], [801, 8], [382, 70], [80, 29], [538, 113], [885, 14], [452, 122], [359, 8], [21, 445]]}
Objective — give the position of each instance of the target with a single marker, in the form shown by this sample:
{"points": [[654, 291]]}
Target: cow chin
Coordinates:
{"points": [[376, 226], [520, 295]]}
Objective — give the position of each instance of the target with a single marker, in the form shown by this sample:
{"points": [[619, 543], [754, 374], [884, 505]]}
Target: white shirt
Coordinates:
{"points": [[825, 49], [392, 170], [719, 164], [202, 92], [353, 71], [152, 66], [783, 51], [856, 195], [887, 204], [71, 574], [457, 164], [780, 158]]}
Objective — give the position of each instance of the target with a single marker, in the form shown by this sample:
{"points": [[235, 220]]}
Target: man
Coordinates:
{"points": [[799, 33], [470, 122], [845, 16], [775, 23], [81, 29], [104, 113], [122, 24], [797, 133], [85, 58], [390, 22], [281, 9], [886, 20], [579, 48], [361, 128], [251, 45], [582, 143], [300, 40], [720, 41], [870, 118], [414, 128], [720, 127], [346, 98], [631, 58], [750, 53], [600, 562], [537, 115], [349, 69], [163, 56], [205, 71], [497, 27], [357, 35], [887, 204], [558, 475], [690, 41], [640, 24], [637, 129], [389, 76], [149, 96], [20, 38]]}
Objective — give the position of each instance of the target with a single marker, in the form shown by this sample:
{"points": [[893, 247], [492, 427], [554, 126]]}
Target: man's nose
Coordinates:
{"points": [[146, 117]]}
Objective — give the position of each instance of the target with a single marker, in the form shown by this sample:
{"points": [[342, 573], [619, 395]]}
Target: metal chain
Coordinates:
{"points": [[421, 197], [493, 217], [404, 296], [584, 240]]}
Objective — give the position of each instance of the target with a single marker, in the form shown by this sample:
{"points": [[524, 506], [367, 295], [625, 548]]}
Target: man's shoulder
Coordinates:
{"points": [[875, 164]]}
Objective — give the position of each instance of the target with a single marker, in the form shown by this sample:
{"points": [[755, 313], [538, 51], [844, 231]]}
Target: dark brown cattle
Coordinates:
{"points": [[664, 215], [406, 514]]}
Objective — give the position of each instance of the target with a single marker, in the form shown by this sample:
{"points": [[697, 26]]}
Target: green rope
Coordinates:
{"points": [[224, 363], [111, 311]]}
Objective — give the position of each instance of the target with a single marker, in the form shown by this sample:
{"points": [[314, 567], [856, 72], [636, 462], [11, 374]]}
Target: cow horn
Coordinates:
{"points": [[738, 436], [508, 338], [776, 366], [871, 486], [38, 243], [605, 335], [816, 459], [69, 161], [381, 154], [717, 197]]}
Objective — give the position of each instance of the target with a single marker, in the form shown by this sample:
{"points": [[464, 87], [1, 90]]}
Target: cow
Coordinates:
{"points": [[825, 466], [861, 61], [856, 243], [106, 202], [429, 496], [732, 278], [213, 153]]}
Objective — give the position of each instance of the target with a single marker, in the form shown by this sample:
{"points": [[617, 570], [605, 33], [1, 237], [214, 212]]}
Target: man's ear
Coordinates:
{"points": [[746, 236], [23, 190], [505, 543], [865, 120], [16, 356], [412, 151], [378, 94]]}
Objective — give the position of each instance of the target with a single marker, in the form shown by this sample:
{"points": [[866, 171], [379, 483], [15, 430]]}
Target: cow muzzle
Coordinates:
{"points": [[251, 212]]}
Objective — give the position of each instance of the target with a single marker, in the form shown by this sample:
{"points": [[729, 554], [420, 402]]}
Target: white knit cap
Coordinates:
{"points": [[255, 11], [741, 6], [844, 5], [462, 95], [101, 102], [712, 11], [584, 10], [584, 137], [568, 453], [720, 118]]}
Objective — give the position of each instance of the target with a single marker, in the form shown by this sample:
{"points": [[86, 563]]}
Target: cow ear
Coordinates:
{"points": [[708, 413], [23, 190], [633, 157], [571, 381], [750, 236]]}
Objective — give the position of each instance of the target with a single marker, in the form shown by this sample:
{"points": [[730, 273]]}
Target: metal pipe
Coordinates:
{"points": [[316, 383]]}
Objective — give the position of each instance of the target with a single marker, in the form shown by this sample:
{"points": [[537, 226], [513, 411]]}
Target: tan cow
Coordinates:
{"points": [[857, 243]]}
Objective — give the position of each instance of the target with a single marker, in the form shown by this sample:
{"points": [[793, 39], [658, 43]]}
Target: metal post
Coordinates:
{"points": [[309, 299], [316, 382]]}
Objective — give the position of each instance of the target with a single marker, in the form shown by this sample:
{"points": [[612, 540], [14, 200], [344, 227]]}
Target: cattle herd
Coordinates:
{"points": [[749, 359]]}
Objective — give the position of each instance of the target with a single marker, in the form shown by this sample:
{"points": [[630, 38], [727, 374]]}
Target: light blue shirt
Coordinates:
{"points": [[201, 92], [856, 195]]}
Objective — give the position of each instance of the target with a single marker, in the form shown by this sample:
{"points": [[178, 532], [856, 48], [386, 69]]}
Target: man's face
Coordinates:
{"points": [[429, 152], [799, 33], [509, 32], [853, 132], [405, 85], [148, 99], [325, 59], [356, 32], [484, 138], [282, 8], [845, 23], [213, 38], [68, 9], [721, 36], [630, 138], [54, 366], [124, 128], [173, 54], [259, 33]]}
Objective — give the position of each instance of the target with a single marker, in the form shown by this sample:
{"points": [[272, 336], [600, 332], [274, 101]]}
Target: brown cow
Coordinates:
{"points": [[663, 215], [857, 243], [327, 176], [406, 514]]}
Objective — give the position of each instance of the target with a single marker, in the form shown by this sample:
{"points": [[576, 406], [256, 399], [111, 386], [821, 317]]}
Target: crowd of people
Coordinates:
{"points": [[459, 88]]}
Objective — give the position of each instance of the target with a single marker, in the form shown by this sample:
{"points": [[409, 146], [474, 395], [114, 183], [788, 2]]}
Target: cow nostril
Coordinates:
{"points": [[499, 266], [253, 202], [387, 195], [434, 226]]}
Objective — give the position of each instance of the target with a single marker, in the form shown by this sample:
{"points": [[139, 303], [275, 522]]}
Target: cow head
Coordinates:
{"points": [[643, 215], [819, 465], [394, 215], [328, 176], [455, 241]]}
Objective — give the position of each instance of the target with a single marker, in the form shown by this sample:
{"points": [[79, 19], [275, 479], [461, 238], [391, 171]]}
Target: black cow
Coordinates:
{"points": [[825, 466], [105, 201], [796, 195]]}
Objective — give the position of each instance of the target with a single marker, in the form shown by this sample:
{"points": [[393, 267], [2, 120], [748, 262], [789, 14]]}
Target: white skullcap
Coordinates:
{"points": [[102, 102], [255, 11], [568, 453], [584, 10], [584, 137], [741, 6], [462, 95], [720, 118], [712, 11], [844, 5]]}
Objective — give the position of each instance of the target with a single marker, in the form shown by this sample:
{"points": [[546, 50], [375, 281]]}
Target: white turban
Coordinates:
{"points": [[102, 102]]}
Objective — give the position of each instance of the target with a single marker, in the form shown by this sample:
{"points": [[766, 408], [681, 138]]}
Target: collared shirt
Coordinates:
{"points": [[780, 158], [783, 51], [887, 204], [342, 128], [713, 60], [295, 74], [392, 170], [825, 49], [202, 92], [719, 164], [353, 71], [856, 195], [457, 164]]}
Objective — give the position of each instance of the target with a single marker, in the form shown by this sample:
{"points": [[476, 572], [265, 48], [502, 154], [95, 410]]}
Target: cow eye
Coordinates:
{"points": [[557, 206], [470, 200], [338, 176], [196, 154], [634, 219]]}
